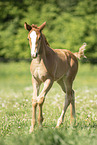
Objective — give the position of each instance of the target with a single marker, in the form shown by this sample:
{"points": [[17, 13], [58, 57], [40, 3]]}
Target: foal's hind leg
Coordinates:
{"points": [[72, 108], [68, 99], [66, 104], [62, 84]]}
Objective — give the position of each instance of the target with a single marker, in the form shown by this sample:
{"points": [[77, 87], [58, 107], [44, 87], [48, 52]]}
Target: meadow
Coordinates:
{"points": [[15, 108]]}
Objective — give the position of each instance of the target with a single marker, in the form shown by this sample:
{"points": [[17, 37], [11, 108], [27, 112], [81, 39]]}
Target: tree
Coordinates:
{"points": [[69, 24]]}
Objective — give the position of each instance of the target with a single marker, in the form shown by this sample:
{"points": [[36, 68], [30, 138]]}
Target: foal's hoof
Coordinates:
{"points": [[57, 126], [59, 123], [31, 129], [40, 127]]}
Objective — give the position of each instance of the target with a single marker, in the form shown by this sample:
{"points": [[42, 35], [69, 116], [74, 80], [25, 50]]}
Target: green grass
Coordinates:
{"points": [[15, 109]]}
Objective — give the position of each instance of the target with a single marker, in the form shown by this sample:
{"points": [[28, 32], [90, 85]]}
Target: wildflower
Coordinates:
{"points": [[14, 106], [16, 96], [76, 102], [88, 115], [26, 100], [3, 105], [77, 97], [87, 91]]}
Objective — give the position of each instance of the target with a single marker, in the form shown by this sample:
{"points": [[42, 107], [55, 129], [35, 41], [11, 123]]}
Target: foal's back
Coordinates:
{"points": [[67, 64]]}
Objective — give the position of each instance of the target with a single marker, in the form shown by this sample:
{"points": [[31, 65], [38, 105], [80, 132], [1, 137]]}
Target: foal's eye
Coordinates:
{"points": [[28, 38]]}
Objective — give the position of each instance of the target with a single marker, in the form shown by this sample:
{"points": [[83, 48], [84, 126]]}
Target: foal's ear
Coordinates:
{"points": [[42, 26], [27, 27]]}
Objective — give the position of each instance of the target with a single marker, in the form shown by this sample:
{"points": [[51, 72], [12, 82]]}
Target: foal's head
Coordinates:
{"points": [[34, 37]]}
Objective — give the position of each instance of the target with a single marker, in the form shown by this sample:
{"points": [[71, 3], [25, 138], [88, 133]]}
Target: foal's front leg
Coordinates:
{"points": [[40, 100], [36, 87]]}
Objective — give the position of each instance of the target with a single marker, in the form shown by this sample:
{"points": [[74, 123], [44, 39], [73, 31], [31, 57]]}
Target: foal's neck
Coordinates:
{"points": [[45, 49]]}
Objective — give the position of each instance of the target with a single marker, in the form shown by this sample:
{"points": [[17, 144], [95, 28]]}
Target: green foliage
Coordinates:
{"points": [[15, 109], [69, 25]]}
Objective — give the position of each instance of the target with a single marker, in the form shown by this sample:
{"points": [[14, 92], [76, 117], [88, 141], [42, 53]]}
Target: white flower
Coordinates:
{"points": [[77, 96], [16, 96], [28, 88], [88, 115], [95, 96], [87, 91], [3, 105]]}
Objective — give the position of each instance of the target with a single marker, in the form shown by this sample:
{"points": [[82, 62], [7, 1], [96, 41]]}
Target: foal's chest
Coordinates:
{"points": [[39, 71]]}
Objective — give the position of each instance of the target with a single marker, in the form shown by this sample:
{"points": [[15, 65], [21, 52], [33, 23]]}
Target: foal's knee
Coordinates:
{"points": [[40, 100], [34, 102]]}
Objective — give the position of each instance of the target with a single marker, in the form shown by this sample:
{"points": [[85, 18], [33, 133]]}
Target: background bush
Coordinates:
{"points": [[69, 24]]}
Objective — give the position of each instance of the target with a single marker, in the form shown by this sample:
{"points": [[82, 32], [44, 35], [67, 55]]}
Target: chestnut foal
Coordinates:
{"points": [[49, 65]]}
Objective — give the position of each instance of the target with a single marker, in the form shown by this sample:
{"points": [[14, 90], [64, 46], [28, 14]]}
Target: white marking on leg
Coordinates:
{"points": [[60, 120]]}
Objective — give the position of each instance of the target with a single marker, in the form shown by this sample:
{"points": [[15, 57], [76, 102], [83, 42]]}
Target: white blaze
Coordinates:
{"points": [[33, 37]]}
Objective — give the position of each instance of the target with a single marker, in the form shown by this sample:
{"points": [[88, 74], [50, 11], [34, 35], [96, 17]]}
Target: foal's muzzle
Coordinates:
{"points": [[34, 55]]}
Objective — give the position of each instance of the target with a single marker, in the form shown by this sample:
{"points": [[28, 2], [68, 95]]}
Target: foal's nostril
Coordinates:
{"points": [[34, 55]]}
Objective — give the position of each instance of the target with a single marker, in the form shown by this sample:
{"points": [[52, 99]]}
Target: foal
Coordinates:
{"points": [[49, 65]]}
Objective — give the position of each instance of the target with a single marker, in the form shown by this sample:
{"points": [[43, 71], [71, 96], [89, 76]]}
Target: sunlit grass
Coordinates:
{"points": [[15, 108]]}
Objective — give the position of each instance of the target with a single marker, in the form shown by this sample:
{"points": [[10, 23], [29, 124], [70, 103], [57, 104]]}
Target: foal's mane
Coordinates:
{"points": [[45, 40], [34, 26]]}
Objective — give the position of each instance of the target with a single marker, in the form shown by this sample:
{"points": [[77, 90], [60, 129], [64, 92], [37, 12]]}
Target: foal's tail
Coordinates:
{"points": [[80, 54]]}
